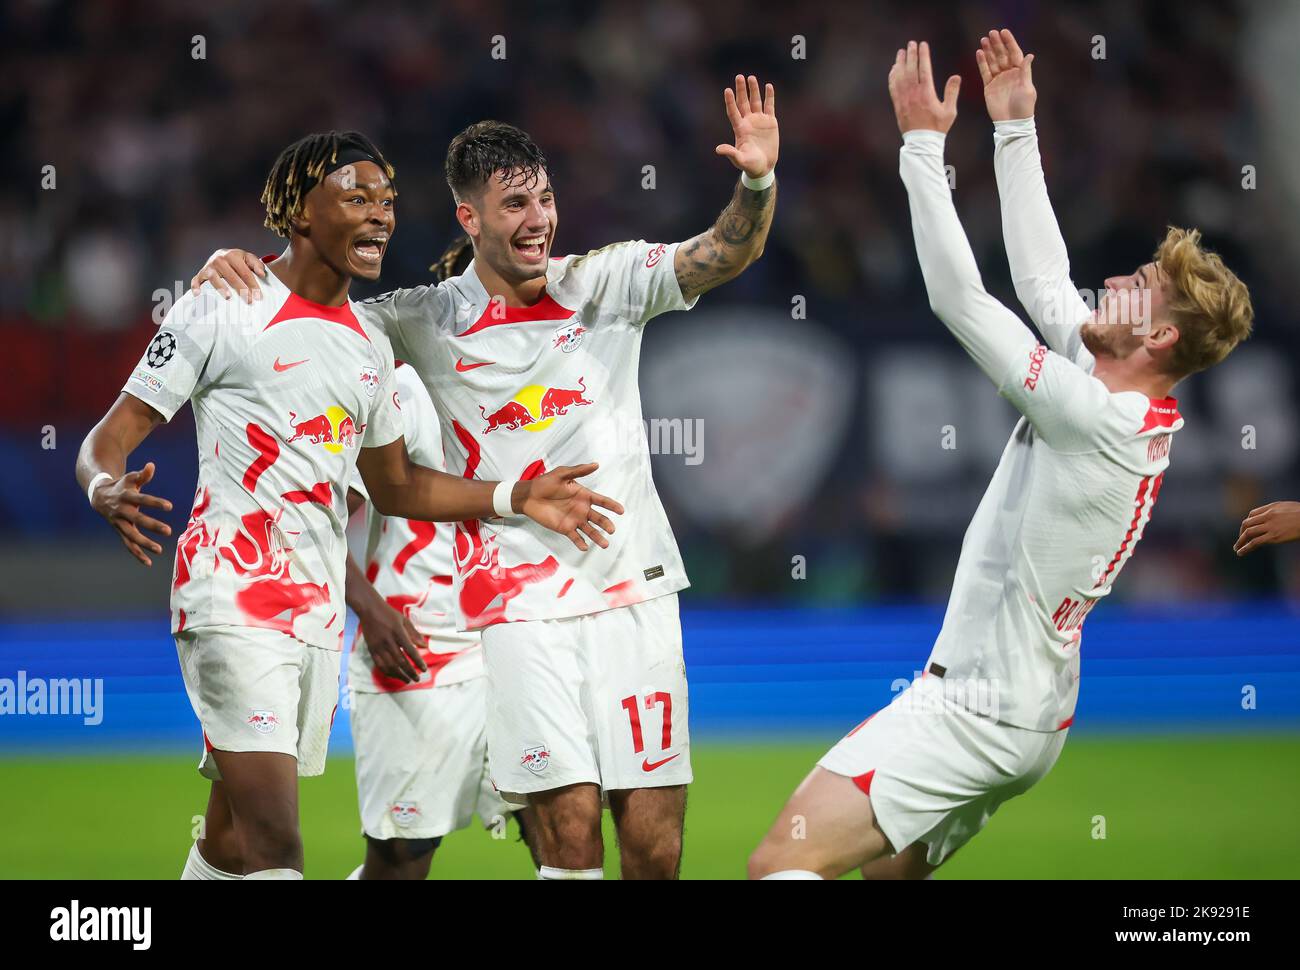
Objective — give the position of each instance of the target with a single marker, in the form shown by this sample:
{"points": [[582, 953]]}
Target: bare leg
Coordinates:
{"points": [[261, 789], [908, 864], [398, 858], [527, 822], [649, 824], [827, 827], [220, 843], [564, 830]]}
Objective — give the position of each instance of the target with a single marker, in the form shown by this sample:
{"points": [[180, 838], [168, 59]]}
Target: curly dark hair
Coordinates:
{"points": [[455, 260], [486, 148]]}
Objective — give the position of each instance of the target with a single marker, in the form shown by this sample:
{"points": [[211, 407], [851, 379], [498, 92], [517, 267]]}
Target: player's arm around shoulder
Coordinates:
{"points": [[736, 239]]}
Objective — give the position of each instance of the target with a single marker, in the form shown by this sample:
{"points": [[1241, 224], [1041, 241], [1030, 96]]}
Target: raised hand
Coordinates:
{"points": [[1269, 524], [120, 502], [911, 88], [753, 123], [556, 500], [1008, 77], [231, 267]]}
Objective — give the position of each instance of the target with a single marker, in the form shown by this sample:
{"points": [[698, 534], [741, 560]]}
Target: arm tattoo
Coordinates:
{"points": [[730, 245]]}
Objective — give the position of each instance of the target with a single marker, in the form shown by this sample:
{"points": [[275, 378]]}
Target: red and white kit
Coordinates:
{"points": [[1068, 503], [284, 393], [521, 391], [421, 749]]}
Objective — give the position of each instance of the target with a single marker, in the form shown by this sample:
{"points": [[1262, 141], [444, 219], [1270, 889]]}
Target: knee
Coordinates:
{"points": [[656, 858], [271, 844], [399, 858]]}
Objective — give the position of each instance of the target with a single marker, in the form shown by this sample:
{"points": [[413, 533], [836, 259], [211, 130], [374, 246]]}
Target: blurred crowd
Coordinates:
{"points": [[138, 134]]}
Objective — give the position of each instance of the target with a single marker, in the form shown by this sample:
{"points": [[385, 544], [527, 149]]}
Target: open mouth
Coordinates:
{"points": [[531, 248], [370, 249]]}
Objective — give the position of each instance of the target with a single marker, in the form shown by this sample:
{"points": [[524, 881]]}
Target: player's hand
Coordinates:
{"points": [[1008, 77], [1269, 524], [392, 642], [556, 501], [121, 500], [911, 88], [753, 123], [231, 267]]}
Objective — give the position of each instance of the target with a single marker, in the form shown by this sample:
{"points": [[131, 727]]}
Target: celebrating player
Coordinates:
{"points": [[528, 360], [289, 394], [1069, 500], [420, 698]]}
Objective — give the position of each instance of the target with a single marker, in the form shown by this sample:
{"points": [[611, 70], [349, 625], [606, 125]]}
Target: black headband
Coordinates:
{"points": [[346, 156]]}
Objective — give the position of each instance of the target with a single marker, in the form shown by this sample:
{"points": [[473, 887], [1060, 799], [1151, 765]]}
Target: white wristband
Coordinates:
{"points": [[90, 489], [501, 499], [758, 184]]}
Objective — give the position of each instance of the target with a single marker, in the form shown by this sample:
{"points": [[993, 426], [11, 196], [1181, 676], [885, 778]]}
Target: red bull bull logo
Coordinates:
{"points": [[263, 722], [568, 337], [535, 407], [405, 813], [335, 429], [536, 759]]}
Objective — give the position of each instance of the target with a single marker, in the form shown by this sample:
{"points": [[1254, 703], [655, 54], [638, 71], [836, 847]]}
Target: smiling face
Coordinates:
{"points": [[512, 220], [1132, 309], [349, 217]]}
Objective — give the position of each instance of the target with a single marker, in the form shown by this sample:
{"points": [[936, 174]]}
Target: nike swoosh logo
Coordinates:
{"points": [[284, 367], [462, 366], [647, 765]]}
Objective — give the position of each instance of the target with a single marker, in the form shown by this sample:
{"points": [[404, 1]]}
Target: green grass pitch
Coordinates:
{"points": [[1185, 806]]}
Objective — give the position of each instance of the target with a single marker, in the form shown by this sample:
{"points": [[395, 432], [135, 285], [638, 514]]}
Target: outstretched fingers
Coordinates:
{"points": [[923, 65], [1013, 49]]}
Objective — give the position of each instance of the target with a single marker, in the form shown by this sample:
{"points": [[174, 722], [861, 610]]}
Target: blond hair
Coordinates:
{"points": [[1208, 304]]}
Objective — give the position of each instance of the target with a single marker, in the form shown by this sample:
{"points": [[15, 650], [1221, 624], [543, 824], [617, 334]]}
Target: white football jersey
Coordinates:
{"points": [[523, 390], [1068, 503], [409, 564], [284, 393], [1076, 484]]}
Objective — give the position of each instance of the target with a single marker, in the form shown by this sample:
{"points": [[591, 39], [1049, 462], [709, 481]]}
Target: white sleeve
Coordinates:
{"points": [[384, 425], [1061, 400], [635, 278], [176, 364], [411, 317], [1040, 265], [988, 331]]}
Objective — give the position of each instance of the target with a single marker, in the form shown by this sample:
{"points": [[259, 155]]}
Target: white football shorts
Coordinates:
{"points": [[598, 698], [254, 689], [422, 761], [934, 771]]}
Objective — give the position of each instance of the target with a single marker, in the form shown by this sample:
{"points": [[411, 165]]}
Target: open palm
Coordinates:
{"points": [[1008, 77], [753, 123]]}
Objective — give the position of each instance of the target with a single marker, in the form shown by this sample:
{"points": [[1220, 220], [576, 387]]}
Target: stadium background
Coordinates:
{"points": [[842, 439]]}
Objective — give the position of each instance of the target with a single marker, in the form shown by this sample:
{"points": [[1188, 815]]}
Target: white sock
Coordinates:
{"points": [[356, 873], [274, 874], [550, 872], [197, 867], [793, 874]]}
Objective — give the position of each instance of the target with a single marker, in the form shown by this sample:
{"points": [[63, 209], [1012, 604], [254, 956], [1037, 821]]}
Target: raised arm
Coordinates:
{"points": [[1040, 265], [736, 239], [988, 331]]}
